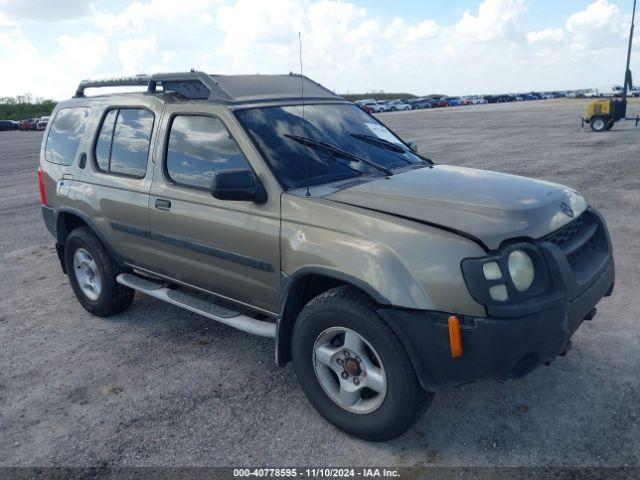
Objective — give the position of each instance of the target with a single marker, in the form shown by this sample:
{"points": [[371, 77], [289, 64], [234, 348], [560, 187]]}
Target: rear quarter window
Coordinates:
{"points": [[65, 135]]}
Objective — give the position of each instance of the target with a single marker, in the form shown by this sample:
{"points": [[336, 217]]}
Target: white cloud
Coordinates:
{"points": [[597, 27], [425, 29], [395, 28], [76, 58], [248, 24], [546, 36], [44, 10], [496, 20], [154, 15], [133, 54], [346, 46]]}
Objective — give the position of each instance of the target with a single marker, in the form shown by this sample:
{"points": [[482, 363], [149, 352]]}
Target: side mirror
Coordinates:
{"points": [[413, 146], [238, 185]]}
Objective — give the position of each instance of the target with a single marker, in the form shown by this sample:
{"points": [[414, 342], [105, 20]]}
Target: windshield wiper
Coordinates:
{"points": [[333, 150], [387, 145]]}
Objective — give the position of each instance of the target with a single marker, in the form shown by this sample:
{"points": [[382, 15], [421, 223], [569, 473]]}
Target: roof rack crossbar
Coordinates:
{"points": [[138, 80]]}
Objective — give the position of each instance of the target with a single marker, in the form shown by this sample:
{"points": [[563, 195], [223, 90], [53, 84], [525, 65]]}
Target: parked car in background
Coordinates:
{"points": [[394, 105], [498, 98], [29, 124], [442, 103], [6, 125], [452, 101], [42, 123], [547, 96], [378, 107], [422, 103], [594, 92]]}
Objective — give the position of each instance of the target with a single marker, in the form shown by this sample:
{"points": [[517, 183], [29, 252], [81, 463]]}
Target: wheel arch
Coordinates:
{"points": [[304, 285], [68, 219]]}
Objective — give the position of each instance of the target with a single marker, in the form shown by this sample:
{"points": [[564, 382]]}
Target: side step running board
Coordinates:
{"points": [[197, 304]]}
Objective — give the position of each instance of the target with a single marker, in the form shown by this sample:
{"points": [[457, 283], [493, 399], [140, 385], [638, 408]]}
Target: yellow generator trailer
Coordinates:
{"points": [[603, 113]]}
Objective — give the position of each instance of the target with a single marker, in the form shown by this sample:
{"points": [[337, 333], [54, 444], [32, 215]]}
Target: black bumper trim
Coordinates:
{"points": [[49, 217], [492, 348]]}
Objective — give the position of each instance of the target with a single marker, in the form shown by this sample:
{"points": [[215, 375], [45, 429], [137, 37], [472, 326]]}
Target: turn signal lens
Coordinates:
{"points": [[499, 292], [455, 340], [491, 271]]}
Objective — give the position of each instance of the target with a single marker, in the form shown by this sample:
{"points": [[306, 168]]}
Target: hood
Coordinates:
{"points": [[490, 207]]}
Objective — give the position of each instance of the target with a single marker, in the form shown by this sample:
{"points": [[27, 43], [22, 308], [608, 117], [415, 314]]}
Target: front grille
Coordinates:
{"points": [[568, 234], [584, 243]]}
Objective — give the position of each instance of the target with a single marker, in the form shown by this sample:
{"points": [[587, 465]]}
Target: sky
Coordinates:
{"points": [[453, 47]]}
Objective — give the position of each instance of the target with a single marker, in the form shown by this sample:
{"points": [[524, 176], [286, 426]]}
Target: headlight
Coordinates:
{"points": [[521, 270]]}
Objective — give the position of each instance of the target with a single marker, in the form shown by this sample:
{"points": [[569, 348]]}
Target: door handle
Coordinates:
{"points": [[83, 160], [162, 204]]}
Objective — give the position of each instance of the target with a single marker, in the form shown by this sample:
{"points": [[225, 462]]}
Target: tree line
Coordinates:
{"points": [[24, 106]]}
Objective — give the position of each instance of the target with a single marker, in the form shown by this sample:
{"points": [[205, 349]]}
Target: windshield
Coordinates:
{"points": [[344, 126]]}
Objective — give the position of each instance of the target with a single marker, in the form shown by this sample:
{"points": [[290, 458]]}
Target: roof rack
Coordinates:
{"points": [[193, 85], [225, 89]]}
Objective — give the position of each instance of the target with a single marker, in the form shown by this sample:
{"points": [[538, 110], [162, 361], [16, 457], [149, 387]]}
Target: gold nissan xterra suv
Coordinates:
{"points": [[270, 204]]}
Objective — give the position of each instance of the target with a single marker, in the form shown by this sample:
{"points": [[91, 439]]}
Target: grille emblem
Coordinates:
{"points": [[566, 209]]}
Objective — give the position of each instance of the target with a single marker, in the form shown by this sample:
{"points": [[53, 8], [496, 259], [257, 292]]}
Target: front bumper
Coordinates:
{"points": [[504, 346]]}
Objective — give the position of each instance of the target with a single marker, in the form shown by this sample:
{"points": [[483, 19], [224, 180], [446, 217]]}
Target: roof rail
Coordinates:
{"points": [[192, 85]]}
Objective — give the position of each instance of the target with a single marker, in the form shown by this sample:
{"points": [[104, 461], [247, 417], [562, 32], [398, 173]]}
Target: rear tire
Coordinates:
{"points": [[373, 416], [92, 273], [599, 123]]}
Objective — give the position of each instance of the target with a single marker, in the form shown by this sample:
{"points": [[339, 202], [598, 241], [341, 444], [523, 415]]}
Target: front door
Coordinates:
{"points": [[230, 248]]}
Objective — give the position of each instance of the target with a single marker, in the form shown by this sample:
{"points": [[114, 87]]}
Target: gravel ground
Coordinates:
{"points": [[160, 386]]}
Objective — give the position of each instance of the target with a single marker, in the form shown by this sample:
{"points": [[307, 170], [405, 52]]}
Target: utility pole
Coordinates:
{"points": [[628, 82]]}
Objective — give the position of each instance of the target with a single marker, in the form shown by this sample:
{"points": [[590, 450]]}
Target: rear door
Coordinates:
{"points": [[230, 248], [117, 177]]}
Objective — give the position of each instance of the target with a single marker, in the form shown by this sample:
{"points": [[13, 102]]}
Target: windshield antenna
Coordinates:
{"points": [[304, 123]]}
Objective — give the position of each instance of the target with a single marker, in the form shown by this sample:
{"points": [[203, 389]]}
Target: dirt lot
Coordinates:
{"points": [[160, 386]]}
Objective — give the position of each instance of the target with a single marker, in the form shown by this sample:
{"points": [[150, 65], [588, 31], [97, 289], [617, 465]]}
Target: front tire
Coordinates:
{"points": [[92, 273], [353, 368]]}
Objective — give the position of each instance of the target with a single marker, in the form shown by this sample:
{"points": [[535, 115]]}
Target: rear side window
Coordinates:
{"points": [[123, 142], [198, 147], [65, 135]]}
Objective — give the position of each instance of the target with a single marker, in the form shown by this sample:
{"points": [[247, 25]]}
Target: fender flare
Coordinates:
{"points": [[62, 233], [286, 317]]}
